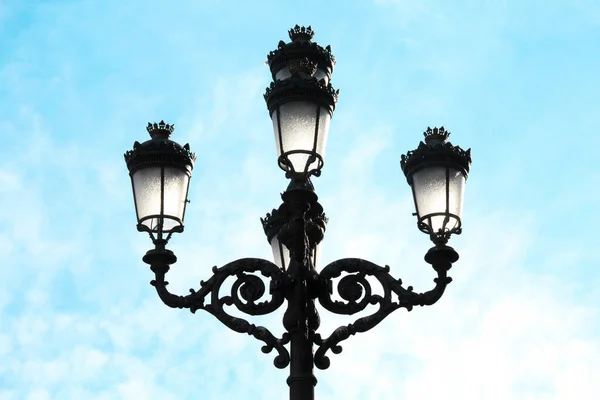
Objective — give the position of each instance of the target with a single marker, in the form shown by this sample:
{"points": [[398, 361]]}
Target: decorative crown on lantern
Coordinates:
{"points": [[160, 130], [301, 33], [436, 135]]}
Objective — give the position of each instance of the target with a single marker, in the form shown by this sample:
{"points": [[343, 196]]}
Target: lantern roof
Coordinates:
{"points": [[159, 150], [297, 88], [301, 47], [436, 151]]}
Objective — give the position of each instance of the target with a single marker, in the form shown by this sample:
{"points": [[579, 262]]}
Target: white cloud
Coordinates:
{"points": [[79, 319]]}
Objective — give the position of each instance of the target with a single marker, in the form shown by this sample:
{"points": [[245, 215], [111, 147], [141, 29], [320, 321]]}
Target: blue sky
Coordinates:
{"points": [[515, 81]]}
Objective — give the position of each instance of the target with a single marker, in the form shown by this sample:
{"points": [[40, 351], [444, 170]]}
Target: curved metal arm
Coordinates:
{"points": [[245, 292], [357, 294]]}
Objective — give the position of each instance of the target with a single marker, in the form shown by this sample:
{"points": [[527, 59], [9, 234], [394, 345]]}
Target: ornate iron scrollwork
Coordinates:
{"points": [[246, 290], [353, 288], [356, 291]]}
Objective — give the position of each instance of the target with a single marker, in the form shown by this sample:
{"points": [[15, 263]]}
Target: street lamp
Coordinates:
{"points": [[301, 102]]}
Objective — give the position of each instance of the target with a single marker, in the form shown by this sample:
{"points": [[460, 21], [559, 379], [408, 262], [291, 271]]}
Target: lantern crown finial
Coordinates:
{"points": [[436, 151], [300, 33], [436, 135], [160, 130]]}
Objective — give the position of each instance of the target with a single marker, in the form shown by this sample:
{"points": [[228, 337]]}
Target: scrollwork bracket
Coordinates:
{"points": [[246, 290], [356, 292]]}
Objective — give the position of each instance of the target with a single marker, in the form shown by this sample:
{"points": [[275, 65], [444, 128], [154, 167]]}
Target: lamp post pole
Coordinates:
{"points": [[301, 102]]}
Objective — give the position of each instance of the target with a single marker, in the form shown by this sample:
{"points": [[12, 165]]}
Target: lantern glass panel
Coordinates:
{"points": [[298, 121], [281, 254], [282, 74], [147, 191], [438, 193], [322, 73], [316, 256], [176, 187], [155, 184]]}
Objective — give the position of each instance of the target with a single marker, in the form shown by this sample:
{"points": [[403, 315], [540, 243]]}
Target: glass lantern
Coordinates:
{"points": [[301, 101], [160, 172], [437, 172], [275, 221]]}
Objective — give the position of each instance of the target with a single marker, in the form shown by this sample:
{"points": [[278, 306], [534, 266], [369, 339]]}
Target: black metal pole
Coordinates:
{"points": [[301, 381], [300, 319]]}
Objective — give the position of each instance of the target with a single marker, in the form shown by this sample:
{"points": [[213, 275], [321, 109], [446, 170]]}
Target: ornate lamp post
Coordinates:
{"points": [[301, 102]]}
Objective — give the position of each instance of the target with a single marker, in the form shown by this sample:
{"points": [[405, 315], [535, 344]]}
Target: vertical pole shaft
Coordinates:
{"points": [[301, 381], [300, 319]]}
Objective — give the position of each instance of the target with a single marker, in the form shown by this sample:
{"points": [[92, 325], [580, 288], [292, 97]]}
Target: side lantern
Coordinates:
{"points": [[160, 171], [437, 172]]}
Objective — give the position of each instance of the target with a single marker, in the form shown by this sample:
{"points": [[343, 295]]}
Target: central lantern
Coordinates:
{"points": [[301, 101]]}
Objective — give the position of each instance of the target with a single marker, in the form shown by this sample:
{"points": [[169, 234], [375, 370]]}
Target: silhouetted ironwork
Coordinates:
{"points": [[160, 170]]}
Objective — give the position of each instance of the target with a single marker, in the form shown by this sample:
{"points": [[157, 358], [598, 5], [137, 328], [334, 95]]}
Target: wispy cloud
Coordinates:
{"points": [[78, 318]]}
